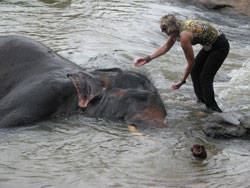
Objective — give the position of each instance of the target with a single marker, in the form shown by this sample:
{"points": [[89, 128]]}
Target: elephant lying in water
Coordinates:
{"points": [[37, 83]]}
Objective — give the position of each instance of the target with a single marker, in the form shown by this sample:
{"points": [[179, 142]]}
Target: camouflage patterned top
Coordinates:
{"points": [[204, 33]]}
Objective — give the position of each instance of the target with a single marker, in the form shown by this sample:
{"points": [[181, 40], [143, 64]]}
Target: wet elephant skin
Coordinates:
{"points": [[37, 83]]}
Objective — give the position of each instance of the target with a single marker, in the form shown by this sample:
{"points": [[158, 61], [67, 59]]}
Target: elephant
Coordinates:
{"points": [[38, 84]]}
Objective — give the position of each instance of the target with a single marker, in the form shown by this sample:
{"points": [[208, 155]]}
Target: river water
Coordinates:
{"points": [[78, 151]]}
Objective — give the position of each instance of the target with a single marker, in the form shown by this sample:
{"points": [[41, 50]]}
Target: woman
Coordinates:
{"points": [[207, 62]]}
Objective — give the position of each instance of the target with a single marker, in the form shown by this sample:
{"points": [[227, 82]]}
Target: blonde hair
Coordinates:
{"points": [[170, 22]]}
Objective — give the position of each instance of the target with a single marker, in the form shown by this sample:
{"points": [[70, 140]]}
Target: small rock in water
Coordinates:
{"points": [[225, 125]]}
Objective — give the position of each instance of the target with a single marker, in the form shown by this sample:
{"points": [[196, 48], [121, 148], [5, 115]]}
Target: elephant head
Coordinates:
{"points": [[121, 96]]}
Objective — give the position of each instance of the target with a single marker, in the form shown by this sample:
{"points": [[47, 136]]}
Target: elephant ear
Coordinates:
{"points": [[87, 87]]}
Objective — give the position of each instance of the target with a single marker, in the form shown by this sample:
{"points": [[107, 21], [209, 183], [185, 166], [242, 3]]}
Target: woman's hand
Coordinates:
{"points": [[141, 61], [177, 85]]}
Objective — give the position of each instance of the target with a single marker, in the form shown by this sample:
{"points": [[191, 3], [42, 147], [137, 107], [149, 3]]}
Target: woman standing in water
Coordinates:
{"points": [[204, 66]]}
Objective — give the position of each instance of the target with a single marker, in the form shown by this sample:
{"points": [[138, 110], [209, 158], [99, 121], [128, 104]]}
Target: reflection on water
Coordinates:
{"points": [[84, 152]]}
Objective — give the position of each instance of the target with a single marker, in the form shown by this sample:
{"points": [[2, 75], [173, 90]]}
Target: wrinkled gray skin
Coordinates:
{"points": [[37, 83]]}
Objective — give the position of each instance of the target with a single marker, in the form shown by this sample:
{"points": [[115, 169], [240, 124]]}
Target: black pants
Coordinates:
{"points": [[207, 63]]}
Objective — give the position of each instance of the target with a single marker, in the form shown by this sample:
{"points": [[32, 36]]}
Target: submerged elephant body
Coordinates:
{"points": [[37, 83]]}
